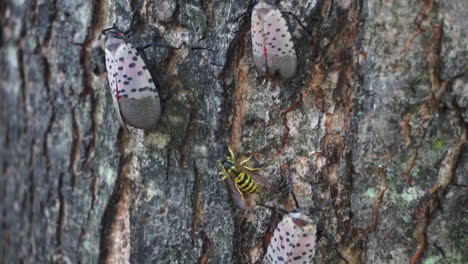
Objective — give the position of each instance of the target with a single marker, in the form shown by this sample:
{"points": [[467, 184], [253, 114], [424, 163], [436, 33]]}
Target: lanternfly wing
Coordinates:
{"points": [[258, 42], [293, 240], [281, 56], [133, 77], [272, 43], [112, 76], [133, 90]]}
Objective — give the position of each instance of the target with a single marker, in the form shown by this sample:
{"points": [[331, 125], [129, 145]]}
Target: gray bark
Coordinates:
{"points": [[376, 117]]}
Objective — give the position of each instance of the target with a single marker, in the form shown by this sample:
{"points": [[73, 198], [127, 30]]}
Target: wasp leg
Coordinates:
{"points": [[244, 161], [225, 176], [249, 168], [252, 169]]}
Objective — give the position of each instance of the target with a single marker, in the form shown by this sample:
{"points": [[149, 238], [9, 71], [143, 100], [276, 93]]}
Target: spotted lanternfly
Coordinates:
{"points": [[295, 237], [293, 241], [272, 45], [134, 93]]}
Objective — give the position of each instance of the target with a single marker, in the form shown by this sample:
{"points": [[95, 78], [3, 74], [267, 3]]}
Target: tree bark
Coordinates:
{"points": [[376, 117]]}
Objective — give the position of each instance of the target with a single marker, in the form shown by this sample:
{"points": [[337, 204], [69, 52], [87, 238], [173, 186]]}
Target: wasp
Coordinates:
{"points": [[241, 174]]}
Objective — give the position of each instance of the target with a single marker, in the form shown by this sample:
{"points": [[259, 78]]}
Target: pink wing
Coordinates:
{"points": [[113, 76], [281, 55], [258, 42], [291, 242], [135, 80]]}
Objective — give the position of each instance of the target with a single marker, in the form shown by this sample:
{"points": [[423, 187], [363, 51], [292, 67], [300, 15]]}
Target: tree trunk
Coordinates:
{"points": [[376, 117]]}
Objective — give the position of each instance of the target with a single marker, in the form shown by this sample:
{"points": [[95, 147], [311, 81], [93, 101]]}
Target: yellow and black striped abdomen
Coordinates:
{"points": [[246, 183]]}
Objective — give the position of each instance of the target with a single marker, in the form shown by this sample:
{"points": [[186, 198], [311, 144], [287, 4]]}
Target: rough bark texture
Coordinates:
{"points": [[376, 116]]}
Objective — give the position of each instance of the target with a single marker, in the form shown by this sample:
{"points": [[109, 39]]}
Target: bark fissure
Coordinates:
{"points": [[45, 146], [196, 203], [96, 25], [32, 187], [241, 106], [206, 249], [23, 88], [61, 211], [184, 148], [284, 116], [75, 148], [115, 235], [428, 206], [49, 30]]}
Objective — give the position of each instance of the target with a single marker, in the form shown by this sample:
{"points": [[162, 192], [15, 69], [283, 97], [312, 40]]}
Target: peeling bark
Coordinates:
{"points": [[376, 117]]}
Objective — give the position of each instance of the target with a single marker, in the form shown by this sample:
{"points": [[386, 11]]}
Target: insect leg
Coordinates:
{"points": [[252, 169], [225, 176], [249, 168], [291, 186], [135, 13], [246, 160], [241, 15], [154, 44], [224, 172], [323, 233], [297, 19], [273, 208], [233, 156], [247, 11]]}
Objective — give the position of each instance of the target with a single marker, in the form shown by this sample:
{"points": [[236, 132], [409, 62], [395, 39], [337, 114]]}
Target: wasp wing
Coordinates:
{"points": [[236, 195]]}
